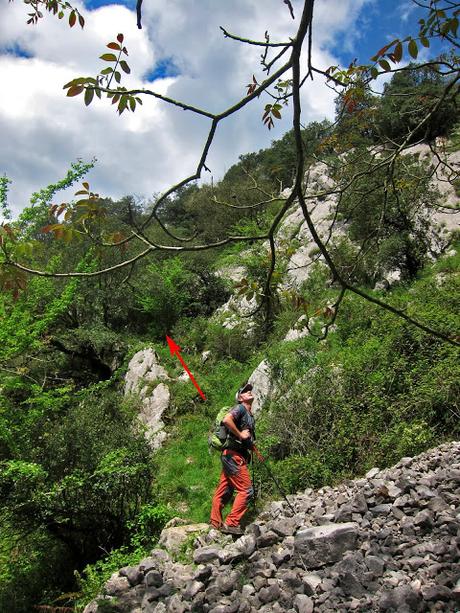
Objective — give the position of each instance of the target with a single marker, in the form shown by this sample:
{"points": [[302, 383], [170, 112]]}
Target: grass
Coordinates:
{"points": [[186, 472]]}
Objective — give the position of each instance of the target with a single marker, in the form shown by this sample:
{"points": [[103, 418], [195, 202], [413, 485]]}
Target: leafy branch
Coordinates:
{"points": [[58, 8]]}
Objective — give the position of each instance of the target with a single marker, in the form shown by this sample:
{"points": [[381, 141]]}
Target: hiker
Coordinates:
{"points": [[235, 458]]}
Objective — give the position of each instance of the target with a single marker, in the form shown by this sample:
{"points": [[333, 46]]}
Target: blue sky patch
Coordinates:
{"points": [[378, 24], [162, 69], [17, 51], [95, 4]]}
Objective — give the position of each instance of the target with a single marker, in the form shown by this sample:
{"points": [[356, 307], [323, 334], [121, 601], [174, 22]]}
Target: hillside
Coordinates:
{"points": [[386, 542], [343, 313]]}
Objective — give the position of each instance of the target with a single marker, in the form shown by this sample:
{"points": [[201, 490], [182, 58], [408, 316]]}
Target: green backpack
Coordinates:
{"points": [[218, 438]]}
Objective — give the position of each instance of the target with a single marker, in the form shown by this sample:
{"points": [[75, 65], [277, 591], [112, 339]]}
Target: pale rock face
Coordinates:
{"points": [[143, 367], [153, 408], [294, 228], [172, 538], [234, 309], [262, 384], [299, 331], [449, 219], [233, 273], [143, 370]]}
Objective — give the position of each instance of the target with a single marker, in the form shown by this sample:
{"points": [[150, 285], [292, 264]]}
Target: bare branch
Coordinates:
{"points": [[257, 43]]}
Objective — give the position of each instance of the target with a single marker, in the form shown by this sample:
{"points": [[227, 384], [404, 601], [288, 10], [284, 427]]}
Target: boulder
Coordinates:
{"points": [[142, 377], [261, 379], [325, 544], [151, 414], [173, 538], [143, 368]]}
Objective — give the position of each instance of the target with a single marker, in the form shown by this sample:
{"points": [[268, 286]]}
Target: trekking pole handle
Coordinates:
{"points": [[260, 457]]}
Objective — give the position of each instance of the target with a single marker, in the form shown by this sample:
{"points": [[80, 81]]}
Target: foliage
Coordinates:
{"points": [[29, 565], [91, 579], [172, 291], [76, 476], [6, 212], [84, 478], [408, 98], [389, 219], [376, 391]]}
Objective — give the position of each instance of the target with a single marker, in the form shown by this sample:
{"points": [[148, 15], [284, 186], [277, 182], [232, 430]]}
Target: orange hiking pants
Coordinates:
{"points": [[234, 476]]}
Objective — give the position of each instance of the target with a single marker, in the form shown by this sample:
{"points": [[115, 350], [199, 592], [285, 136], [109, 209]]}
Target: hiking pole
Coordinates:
{"points": [[274, 479], [254, 484]]}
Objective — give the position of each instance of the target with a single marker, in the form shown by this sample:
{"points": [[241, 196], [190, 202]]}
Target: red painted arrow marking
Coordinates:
{"points": [[175, 349]]}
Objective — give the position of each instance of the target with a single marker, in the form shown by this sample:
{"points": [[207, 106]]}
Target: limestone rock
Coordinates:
{"points": [[380, 562], [261, 379], [144, 371], [143, 368], [325, 544], [174, 537], [151, 414]]}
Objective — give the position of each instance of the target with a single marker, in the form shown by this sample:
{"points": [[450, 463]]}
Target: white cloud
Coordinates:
{"points": [[43, 131]]}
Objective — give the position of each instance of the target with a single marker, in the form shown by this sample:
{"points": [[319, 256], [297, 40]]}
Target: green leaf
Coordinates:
{"points": [[117, 76], [445, 28], [132, 103], [125, 67], [122, 104], [77, 81], [374, 72], [425, 42], [413, 49], [276, 113], [114, 46], [67, 235], [107, 70], [384, 65], [89, 95], [108, 57]]}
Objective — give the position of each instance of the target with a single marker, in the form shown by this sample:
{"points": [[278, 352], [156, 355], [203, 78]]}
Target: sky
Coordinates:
{"points": [[180, 52]]}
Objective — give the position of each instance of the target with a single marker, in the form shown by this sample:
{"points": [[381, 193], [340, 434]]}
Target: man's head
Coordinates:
{"points": [[244, 394]]}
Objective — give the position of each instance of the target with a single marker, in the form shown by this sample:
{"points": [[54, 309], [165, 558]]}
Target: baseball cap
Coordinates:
{"points": [[247, 387]]}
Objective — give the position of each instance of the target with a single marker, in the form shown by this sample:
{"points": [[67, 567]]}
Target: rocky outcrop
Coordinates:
{"points": [[177, 533], [321, 202], [145, 377], [388, 542], [262, 381]]}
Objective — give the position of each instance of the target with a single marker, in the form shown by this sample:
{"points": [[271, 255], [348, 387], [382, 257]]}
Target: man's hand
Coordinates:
{"points": [[245, 434]]}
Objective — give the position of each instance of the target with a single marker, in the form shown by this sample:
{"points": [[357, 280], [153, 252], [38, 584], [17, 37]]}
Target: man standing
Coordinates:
{"points": [[235, 458]]}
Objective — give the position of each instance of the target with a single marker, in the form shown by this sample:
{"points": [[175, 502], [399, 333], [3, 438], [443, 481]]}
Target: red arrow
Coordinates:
{"points": [[173, 348]]}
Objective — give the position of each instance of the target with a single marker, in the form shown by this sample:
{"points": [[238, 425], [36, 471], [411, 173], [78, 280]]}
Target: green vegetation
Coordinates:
{"points": [[82, 493]]}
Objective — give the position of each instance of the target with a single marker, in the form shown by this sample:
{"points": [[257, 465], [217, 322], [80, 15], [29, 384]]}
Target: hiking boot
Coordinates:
{"points": [[215, 526], [231, 530]]}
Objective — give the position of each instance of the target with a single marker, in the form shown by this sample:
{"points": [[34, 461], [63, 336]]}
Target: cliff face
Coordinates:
{"points": [[389, 541]]}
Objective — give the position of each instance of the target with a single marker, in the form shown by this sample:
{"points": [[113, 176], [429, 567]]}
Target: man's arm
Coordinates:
{"points": [[230, 424]]}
